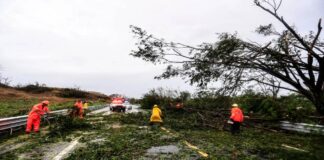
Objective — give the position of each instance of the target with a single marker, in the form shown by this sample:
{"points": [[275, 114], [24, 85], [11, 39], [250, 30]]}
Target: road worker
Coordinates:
{"points": [[34, 116], [79, 108], [156, 115], [236, 118], [85, 107], [179, 106]]}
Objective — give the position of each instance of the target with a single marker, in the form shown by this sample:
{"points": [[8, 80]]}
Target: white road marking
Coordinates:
{"points": [[67, 150], [294, 148]]}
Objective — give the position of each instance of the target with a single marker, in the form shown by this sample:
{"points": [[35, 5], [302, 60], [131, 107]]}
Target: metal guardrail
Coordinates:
{"points": [[15, 123], [302, 127], [93, 108]]}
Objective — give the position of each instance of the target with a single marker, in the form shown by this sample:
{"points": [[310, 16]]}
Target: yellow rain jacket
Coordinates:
{"points": [[156, 115], [85, 106]]}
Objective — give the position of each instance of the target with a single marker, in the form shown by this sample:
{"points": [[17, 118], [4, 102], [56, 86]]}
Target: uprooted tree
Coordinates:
{"points": [[293, 60]]}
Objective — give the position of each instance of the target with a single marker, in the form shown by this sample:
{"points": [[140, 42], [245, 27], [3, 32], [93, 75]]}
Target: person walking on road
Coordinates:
{"points": [[156, 115], [236, 119], [34, 116]]}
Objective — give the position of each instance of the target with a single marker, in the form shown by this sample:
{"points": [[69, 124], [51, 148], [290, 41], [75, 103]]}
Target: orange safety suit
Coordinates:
{"points": [[156, 115], [79, 106], [34, 117], [237, 115], [179, 106]]}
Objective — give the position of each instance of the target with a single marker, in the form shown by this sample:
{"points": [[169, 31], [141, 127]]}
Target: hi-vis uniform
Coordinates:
{"points": [[79, 107], [34, 116], [237, 115], [156, 115]]}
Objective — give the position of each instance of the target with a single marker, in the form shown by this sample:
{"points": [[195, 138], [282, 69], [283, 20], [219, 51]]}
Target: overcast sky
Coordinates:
{"points": [[86, 43]]}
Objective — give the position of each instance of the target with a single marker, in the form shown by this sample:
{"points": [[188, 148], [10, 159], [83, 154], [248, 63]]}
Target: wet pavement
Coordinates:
{"points": [[130, 109]]}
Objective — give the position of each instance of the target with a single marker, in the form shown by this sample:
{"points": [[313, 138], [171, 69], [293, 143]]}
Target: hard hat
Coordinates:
{"points": [[45, 102], [234, 105], [155, 105]]}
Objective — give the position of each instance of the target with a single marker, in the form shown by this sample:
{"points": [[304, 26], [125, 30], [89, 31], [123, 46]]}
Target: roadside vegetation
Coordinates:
{"points": [[254, 142], [17, 107], [261, 105], [201, 122], [18, 100], [128, 136]]}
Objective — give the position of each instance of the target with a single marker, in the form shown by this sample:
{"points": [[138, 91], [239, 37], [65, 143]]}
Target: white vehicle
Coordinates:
{"points": [[128, 105], [118, 105]]}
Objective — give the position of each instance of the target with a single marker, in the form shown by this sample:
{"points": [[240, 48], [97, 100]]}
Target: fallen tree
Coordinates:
{"points": [[290, 61]]}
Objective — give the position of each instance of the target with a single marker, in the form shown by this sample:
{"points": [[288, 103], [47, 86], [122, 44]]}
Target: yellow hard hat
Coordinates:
{"points": [[155, 105], [234, 105]]}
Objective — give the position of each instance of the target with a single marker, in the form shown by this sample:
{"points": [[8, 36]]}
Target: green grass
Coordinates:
{"points": [[17, 107]]}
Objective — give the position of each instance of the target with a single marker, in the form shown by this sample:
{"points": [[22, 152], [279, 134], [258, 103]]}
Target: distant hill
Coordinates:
{"points": [[41, 92], [18, 100]]}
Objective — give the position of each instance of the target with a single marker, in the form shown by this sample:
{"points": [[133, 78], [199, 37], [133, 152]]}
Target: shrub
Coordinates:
{"points": [[270, 108], [158, 96], [72, 93], [250, 100], [149, 100], [34, 88], [296, 107], [210, 103], [292, 107], [4, 85]]}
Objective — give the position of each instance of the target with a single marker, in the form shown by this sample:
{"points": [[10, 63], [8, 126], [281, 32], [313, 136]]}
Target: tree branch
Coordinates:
{"points": [[301, 41]]}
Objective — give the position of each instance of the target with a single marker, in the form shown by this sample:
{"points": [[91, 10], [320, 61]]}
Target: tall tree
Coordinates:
{"points": [[294, 61]]}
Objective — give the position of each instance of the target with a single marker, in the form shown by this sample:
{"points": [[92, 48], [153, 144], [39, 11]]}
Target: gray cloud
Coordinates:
{"points": [[87, 43]]}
